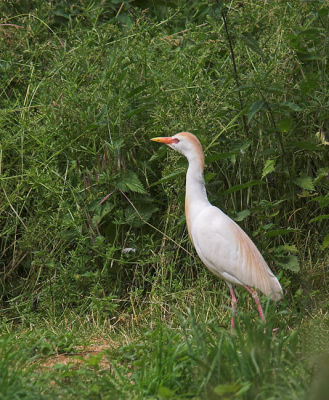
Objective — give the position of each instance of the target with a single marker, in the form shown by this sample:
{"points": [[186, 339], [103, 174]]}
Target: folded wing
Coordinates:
{"points": [[229, 252]]}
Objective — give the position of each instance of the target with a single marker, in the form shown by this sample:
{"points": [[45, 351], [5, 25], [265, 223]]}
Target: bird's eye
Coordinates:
{"points": [[175, 140]]}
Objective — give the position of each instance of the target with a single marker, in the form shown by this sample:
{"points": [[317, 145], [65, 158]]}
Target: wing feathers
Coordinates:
{"points": [[255, 269], [229, 252]]}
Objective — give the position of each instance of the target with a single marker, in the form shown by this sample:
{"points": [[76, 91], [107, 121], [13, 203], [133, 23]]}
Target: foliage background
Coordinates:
{"points": [[84, 86]]}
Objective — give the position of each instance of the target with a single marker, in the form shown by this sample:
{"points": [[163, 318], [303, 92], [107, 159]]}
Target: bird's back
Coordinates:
{"points": [[229, 252]]}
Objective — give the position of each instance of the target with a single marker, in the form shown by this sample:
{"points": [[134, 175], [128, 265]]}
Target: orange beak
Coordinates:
{"points": [[166, 140]]}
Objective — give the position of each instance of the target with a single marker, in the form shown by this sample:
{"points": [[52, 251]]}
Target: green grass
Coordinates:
{"points": [[173, 356], [84, 87]]}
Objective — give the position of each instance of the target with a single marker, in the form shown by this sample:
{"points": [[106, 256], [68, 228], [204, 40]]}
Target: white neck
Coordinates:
{"points": [[196, 195]]}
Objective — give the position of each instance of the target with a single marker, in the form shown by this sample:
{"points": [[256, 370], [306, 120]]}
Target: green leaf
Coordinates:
{"points": [[254, 108], [322, 200], [232, 390], [311, 57], [130, 181], [322, 173], [277, 89], [319, 218], [285, 259], [101, 212], [280, 232], [169, 177], [291, 106], [245, 386], [240, 216], [138, 110], [136, 90], [251, 42], [290, 248], [289, 262], [268, 167], [325, 243], [266, 227], [323, 12], [304, 145], [220, 156], [242, 186], [285, 125], [145, 210], [209, 176], [305, 182], [160, 153], [93, 360], [241, 146], [227, 388], [165, 393], [213, 10]]}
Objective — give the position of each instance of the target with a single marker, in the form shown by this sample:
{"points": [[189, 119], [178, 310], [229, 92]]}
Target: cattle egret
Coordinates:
{"points": [[222, 245]]}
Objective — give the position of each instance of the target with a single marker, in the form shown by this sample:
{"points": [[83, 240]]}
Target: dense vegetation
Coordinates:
{"points": [[84, 86]]}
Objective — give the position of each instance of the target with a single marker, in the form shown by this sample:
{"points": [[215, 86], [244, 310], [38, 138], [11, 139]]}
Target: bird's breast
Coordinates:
{"points": [[193, 209], [187, 216]]}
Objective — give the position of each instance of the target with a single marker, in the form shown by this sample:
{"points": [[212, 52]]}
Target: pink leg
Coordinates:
{"points": [[255, 297], [234, 304]]}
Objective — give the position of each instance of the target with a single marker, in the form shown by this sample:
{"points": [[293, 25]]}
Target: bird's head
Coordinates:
{"points": [[185, 143]]}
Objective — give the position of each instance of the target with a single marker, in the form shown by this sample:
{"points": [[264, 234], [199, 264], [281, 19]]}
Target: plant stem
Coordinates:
{"points": [[236, 76]]}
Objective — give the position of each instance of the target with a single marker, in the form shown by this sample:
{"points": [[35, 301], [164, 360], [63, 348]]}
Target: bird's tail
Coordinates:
{"points": [[275, 292]]}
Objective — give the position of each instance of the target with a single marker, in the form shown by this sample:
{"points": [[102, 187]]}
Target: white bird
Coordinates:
{"points": [[222, 245]]}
